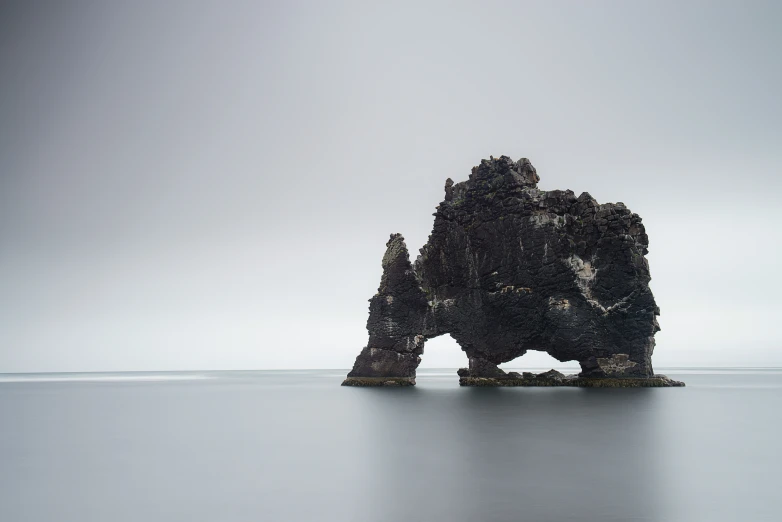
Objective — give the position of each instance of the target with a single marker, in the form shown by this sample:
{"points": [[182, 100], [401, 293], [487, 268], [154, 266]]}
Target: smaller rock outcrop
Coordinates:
{"points": [[397, 314]]}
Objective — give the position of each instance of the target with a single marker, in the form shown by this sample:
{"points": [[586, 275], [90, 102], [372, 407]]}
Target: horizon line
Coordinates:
{"points": [[454, 368]]}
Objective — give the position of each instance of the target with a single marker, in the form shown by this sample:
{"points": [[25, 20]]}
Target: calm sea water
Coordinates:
{"points": [[295, 446]]}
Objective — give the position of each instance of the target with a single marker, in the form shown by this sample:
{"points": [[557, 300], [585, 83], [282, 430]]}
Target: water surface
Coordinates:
{"points": [[295, 446]]}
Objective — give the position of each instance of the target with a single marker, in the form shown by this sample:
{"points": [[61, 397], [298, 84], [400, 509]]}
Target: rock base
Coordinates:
{"points": [[546, 379], [379, 381], [550, 378]]}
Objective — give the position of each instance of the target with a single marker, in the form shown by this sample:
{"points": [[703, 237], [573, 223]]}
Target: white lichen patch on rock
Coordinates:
{"points": [[447, 303], [541, 219], [519, 290], [617, 364], [585, 277], [416, 343], [584, 272]]}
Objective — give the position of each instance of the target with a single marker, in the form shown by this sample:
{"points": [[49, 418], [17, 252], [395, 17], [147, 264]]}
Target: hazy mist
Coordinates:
{"points": [[210, 185]]}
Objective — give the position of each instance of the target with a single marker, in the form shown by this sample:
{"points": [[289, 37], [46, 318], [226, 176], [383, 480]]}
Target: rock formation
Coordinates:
{"points": [[510, 268]]}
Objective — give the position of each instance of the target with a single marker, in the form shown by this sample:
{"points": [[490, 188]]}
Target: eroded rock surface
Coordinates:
{"points": [[510, 268]]}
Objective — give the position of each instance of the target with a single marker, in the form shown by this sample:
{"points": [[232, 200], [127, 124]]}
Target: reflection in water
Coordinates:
{"points": [[295, 446], [508, 454]]}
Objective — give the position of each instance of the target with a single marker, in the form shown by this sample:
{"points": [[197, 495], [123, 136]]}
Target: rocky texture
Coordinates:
{"points": [[547, 379], [379, 381], [510, 268], [397, 315]]}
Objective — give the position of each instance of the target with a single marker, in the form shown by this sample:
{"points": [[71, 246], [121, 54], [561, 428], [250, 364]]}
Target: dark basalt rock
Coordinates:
{"points": [[545, 379], [510, 268]]}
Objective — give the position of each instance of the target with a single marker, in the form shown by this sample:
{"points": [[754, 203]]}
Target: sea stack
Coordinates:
{"points": [[510, 268]]}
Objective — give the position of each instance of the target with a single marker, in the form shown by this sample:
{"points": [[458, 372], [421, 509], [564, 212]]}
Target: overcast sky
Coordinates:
{"points": [[210, 185]]}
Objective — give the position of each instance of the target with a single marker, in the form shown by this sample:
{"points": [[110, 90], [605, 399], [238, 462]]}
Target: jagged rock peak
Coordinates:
{"points": [[398, 276], [396, 251], [519, 173]]}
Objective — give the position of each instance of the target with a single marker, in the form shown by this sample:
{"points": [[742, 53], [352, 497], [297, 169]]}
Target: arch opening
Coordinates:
{"points": [[539, 361], [442, 352]]}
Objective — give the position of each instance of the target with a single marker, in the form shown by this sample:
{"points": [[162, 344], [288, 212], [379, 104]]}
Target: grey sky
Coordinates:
{"points": [[193, 185]]}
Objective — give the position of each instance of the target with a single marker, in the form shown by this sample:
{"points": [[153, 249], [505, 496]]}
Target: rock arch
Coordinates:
{"points": [[510, 268]]}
